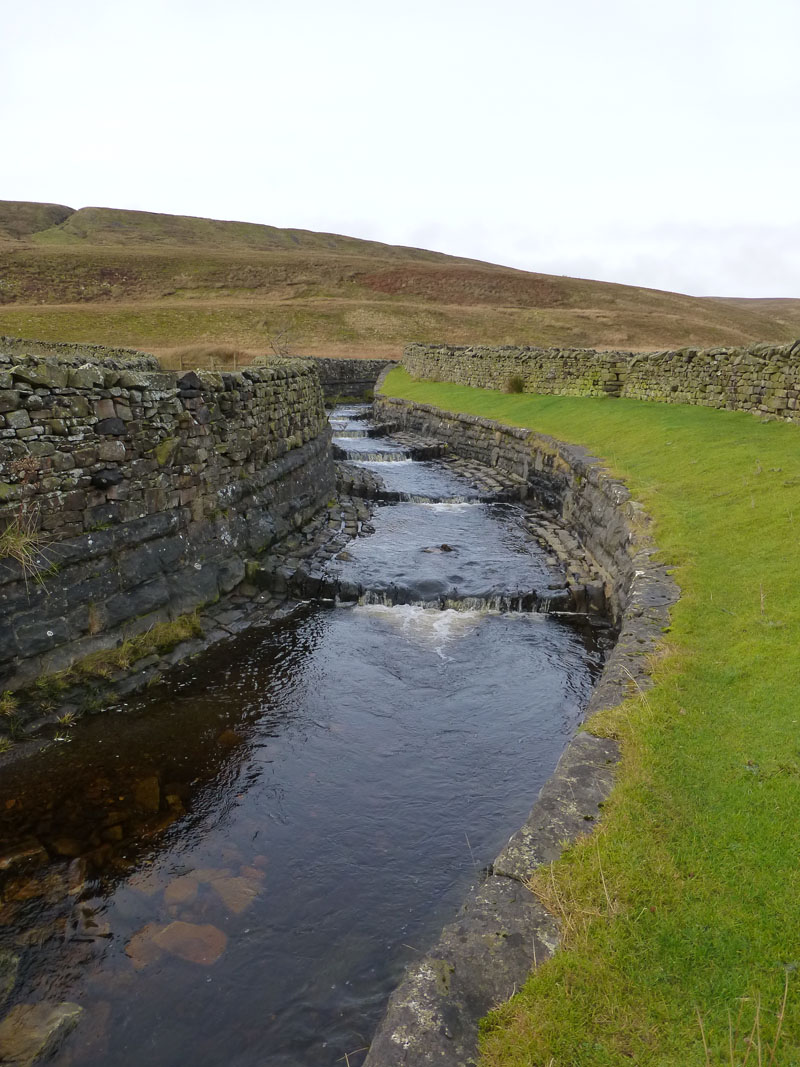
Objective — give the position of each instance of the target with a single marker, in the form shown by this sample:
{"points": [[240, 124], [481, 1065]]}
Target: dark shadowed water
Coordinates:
{"points": [[239, 865]]}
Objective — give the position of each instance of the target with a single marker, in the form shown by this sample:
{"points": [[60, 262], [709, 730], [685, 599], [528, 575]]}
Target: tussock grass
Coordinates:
{"points": [[8, 704], [21, 541], [682, 913]]}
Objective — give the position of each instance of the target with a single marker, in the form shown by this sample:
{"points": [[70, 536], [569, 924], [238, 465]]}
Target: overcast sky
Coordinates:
{"points": [[656, 143]]}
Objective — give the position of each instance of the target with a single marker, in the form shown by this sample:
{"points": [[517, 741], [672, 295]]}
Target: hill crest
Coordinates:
{"points": [[157, 281]]}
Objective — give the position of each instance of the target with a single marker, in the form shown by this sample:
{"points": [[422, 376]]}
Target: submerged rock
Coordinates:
{"points": [[146, 882], [195, 943], [190, 941], [32, 1031], [142, 949], [228, 739], [181, 890], [22, 855], [147, 794], [52, 886], [236, 893], [67, 846]]}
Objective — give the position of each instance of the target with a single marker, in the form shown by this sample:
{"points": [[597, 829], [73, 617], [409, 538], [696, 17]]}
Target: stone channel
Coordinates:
{"points": [[237, 863]]}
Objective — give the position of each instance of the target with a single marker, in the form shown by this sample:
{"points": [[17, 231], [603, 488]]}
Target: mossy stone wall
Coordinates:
{"points": [[761, 378], [149, 490]]}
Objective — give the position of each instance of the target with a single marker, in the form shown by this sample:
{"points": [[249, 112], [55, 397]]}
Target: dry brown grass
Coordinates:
{"points": [[205, 357], [168, 283]]}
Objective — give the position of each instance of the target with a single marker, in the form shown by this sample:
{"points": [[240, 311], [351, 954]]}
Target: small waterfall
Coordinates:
{"points": [[555, 602], [365, 456], [398, 496]]}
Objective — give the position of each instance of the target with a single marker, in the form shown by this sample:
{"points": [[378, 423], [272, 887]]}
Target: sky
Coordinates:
{"points": [[654, 143]]}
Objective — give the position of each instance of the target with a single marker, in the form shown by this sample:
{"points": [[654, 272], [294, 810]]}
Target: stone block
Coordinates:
{"points": [[10, 400], [111, 451], [36, 635], [18, 419], [88, 376], [132, 603], [49, 375], [112, 426]]}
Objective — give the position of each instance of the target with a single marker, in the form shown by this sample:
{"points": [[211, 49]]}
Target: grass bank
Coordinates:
{"points": [[682, 912]]}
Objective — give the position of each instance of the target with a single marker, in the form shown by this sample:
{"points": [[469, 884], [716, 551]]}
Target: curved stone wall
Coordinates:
{"points": [[503, 931], [761, 378]]}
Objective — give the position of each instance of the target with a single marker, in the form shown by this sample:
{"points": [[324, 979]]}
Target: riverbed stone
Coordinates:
{"points": [[33, 1031], [181, 890], [147, 794], [28, 853], [197, 943], [237, 893], [142, 949]]}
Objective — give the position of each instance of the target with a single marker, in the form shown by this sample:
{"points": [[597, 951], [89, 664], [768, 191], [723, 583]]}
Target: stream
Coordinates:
{"points": [[236, 866]]}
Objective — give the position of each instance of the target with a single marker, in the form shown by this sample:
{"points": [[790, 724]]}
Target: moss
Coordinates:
{"points": [[158, 640], [164, 450]]}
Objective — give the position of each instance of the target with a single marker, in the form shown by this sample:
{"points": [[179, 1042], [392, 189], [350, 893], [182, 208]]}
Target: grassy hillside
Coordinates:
{"points": [[780, 309], [20, 219], [163, 281]]}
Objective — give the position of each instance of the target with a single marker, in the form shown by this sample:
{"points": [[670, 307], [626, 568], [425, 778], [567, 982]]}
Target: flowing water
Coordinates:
{"points": [[236, 867]]}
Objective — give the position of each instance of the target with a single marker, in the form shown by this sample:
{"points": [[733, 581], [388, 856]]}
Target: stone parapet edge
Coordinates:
{"points": [[503, 930]]}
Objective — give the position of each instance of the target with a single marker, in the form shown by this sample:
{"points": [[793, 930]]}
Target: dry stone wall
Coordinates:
{"points": [[149, 491], [762, 378]]}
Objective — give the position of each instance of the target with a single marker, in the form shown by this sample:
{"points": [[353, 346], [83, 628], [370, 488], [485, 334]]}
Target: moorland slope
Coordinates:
{"points": [[163, 282]]}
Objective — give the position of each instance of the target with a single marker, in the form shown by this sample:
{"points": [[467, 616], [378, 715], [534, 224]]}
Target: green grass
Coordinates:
{"points": [[682, 912]]}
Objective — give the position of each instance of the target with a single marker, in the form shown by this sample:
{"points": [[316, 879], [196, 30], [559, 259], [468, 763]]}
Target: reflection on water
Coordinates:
{"points": [[235, 868]]}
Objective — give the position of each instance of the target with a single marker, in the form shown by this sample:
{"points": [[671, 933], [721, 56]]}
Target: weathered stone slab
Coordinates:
{"points": [[33, 1031], [568, 806], [479, 961]]}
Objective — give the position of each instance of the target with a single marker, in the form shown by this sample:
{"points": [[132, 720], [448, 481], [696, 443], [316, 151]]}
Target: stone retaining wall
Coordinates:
{"points": [[503, 930], [149, 491], [759, 378]]}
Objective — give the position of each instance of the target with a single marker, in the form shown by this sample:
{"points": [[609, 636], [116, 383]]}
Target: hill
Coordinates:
{"points": [[165, 282]]}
